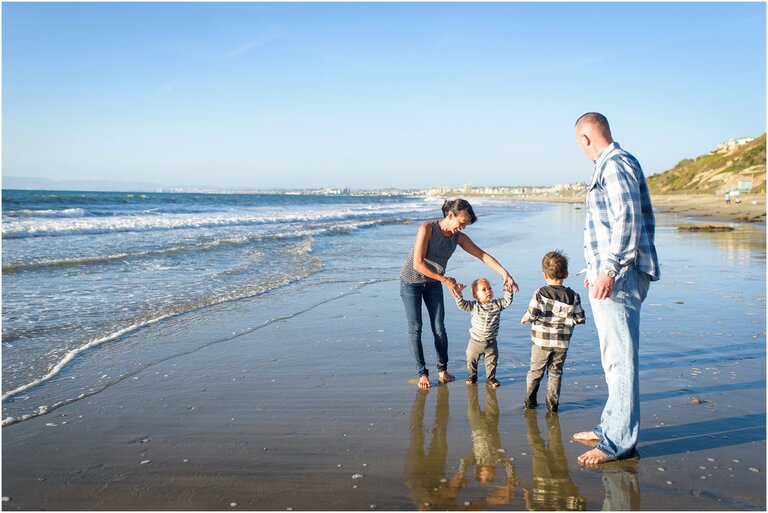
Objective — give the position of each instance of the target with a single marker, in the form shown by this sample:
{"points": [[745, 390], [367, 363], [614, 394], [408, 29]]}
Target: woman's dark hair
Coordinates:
{"points": [[459, 205]]}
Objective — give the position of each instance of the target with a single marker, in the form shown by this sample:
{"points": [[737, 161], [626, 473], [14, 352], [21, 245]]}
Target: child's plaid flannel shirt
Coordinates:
{"points": [[553, 312]]}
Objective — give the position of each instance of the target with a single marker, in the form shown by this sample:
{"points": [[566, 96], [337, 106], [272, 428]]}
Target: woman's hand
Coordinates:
{"points": [[453, 287], [508, 281]]}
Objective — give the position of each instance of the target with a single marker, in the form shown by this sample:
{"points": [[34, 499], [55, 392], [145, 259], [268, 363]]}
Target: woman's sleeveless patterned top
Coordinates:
{"points": [[439, 250]]}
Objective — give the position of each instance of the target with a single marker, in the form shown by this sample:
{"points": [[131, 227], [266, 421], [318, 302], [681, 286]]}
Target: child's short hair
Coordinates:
{"points": [[475, 283], [555, 265]]}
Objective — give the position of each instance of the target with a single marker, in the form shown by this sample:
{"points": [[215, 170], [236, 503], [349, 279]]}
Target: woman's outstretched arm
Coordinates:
{"points": [[470, 247]]}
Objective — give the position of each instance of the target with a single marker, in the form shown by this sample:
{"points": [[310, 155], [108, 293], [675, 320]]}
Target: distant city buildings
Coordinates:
{"points": [[336, 192], [559, 190]]}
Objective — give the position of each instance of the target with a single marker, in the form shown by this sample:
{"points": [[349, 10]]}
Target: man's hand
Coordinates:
{"points": [[603, 288]]}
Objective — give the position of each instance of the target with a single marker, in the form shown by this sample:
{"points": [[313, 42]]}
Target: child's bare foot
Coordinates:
{"points": [[471, 381], [445, 377], [424, 382], [595, 457], [493, 383]]}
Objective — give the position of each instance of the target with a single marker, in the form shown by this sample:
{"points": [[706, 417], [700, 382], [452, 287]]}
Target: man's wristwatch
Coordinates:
{"points": [[610, 273]]}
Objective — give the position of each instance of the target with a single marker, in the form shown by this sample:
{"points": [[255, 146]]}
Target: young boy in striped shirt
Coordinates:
{"points": [[485, 327], [553, 312]]}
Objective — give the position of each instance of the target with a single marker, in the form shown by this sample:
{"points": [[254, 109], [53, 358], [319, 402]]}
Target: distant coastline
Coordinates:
{"points": [[747, 208]]}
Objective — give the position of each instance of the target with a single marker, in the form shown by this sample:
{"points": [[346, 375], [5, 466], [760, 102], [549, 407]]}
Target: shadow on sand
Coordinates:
{"points": [[699, 436], [599, 402]]}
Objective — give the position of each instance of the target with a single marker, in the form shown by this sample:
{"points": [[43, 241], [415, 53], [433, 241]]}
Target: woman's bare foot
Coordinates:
{"points": [[595, 457], [445, 377], [424, 382]]}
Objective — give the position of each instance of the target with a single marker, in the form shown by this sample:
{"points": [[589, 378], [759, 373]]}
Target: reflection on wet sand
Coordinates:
{"points": [[622, 490], [487, 453], [425, 474], [493, 480], [552, 486], [740, 245], [425, 468], [737, 247]]}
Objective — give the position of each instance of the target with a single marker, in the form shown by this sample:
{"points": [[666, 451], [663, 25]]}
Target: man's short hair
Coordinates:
{"points": [[597, 121], [555, 265]]}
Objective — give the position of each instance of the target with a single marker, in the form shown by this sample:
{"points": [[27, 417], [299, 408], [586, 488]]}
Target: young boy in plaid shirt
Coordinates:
{"points": [[553, 312]]}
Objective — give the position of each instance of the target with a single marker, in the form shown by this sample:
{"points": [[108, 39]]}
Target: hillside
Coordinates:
{"points": [[715, 172]]}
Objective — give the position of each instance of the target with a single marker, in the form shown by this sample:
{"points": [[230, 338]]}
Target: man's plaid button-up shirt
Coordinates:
{"points": [[620, 226]]}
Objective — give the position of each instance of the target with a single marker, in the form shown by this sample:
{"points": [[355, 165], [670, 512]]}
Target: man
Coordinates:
{"points": [[621, 263]]}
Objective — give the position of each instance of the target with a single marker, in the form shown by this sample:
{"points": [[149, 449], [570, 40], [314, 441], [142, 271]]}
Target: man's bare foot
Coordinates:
{"points": [[595, 457], [586, 436], [445, 377], [424, 382]]}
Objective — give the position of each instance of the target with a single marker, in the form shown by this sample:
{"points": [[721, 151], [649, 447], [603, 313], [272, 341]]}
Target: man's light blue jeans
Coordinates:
{"points": [[618, 327], [431, 293]]}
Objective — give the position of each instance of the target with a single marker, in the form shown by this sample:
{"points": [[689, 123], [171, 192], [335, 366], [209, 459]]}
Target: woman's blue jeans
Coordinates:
{"points": [[432, 295]]}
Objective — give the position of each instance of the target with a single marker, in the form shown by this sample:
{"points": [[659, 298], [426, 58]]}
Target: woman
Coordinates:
{"points": [[422, 277]]}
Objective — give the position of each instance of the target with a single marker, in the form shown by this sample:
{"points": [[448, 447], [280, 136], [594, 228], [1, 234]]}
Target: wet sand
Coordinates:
{"points": [[318, 412]]}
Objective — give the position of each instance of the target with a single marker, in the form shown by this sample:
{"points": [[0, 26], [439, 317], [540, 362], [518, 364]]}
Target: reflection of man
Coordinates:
{"points": [[552, 486], [425, 470], [621, 263], [622, 491], [487, 453]]}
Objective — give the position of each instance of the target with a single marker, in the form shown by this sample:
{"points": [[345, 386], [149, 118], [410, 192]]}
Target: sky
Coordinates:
{"points": [[370, 95]]}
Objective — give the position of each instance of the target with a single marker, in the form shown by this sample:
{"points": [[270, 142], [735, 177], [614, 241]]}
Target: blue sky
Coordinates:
{"points": [[364, 95]]}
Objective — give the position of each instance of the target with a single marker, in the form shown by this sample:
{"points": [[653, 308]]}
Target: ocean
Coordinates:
{"points": [[84, 271]]}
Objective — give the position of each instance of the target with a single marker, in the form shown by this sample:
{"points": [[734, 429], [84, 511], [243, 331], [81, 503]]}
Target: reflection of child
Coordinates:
{"points": [[487, 453], [485, 327], [553, 312], [551, 485]]}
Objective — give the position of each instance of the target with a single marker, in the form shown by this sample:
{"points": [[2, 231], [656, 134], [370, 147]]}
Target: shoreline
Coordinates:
{"points": [[752, 208]]}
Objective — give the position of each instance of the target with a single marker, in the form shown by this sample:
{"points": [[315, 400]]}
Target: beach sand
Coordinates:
{"points": [[707, 207], [318, 412]]}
